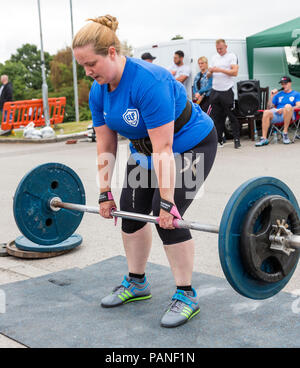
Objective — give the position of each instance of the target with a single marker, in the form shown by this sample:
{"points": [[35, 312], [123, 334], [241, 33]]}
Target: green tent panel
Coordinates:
{"points": [[284, 34]]}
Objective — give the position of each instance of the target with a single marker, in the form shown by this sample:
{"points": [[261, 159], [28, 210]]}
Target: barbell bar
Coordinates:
{"points": [[289, 240], [259, 232], [56, 203]]}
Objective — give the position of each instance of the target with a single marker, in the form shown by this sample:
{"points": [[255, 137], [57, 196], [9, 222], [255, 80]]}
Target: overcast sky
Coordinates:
{"points": [[141, 22]]}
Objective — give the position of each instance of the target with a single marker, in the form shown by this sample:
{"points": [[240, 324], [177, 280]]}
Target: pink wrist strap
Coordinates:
{"points": [[170, 207], [105, 196], [115, 217], [174, 211]]}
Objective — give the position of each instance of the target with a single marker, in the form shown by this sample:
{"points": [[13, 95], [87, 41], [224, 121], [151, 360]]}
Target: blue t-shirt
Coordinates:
{"points": [[147, 97], [281, 99]]}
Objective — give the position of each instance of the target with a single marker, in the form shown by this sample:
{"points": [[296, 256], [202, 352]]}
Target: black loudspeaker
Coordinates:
{"points": [[248, 97]]}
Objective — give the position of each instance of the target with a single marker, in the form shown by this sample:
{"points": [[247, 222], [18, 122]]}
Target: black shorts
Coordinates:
{"points": [[140, 192]]}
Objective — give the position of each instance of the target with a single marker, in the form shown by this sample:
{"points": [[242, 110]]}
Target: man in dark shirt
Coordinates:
{"points": [[6, 91]]}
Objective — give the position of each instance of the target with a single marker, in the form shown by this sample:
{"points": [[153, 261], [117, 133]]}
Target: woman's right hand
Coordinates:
{"points": [[105, 209], [200, 99]]}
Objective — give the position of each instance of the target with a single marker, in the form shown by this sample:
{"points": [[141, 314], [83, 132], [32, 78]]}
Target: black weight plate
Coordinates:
{"points": [[230, 235], [262, 262], [36, 221]]}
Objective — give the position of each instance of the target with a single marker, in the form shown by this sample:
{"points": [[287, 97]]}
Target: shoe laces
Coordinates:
{"points": [[119, 289], [176, 306]]}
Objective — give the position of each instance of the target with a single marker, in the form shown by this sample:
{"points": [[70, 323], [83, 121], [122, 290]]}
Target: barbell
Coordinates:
{"points": [[259, 232]]}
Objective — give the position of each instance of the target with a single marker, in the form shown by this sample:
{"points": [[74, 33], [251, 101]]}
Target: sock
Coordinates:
{"points": [[185, 288], [136, 277]]}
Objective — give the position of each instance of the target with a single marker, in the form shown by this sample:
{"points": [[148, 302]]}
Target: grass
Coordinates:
{"points": [[59, 129], [70, 128]]}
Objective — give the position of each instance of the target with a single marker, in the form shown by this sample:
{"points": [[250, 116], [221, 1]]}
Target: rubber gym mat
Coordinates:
{"points": [[62, 309]]}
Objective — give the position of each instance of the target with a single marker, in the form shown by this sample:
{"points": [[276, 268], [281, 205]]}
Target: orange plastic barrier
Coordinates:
{"points": [[21, 113]]}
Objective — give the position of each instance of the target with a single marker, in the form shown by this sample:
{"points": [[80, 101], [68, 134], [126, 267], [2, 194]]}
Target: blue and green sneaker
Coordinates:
{"points": [[262, 142], [129, 291], [184, 306]]}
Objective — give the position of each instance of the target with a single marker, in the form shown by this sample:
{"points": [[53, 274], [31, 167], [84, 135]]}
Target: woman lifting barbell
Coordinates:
{"points": [[144, 103]]}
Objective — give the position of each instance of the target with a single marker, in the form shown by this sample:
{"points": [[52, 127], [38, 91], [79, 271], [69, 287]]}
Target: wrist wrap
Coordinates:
{"points": [[170, 207], [105, 196]]}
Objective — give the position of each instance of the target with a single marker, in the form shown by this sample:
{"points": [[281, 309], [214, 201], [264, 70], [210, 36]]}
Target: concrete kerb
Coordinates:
{"points": [[58, 138]]}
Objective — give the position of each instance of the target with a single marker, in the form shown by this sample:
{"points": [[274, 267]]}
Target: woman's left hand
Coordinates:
{"points": [[166, 220]]}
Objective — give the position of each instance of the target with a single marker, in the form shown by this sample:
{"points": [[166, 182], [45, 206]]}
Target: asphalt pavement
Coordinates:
{"points": [[101, 239]]}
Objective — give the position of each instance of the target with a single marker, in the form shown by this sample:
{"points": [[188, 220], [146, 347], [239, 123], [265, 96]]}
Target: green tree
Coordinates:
{"points": [[61, 69], [30, 57], [17, 73]]}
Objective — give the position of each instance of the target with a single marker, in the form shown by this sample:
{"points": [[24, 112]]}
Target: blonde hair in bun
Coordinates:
{"points": [[108, 21], [100, 33]]}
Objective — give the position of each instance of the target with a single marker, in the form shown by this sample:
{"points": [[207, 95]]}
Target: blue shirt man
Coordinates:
{"points": [[283, 98], [284, 102]]}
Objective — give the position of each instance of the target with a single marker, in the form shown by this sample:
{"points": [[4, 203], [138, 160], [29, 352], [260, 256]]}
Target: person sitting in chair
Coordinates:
{"points": [[282, 110]]}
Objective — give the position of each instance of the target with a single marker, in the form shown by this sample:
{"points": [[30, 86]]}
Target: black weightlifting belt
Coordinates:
{"points": [[144, 145]]}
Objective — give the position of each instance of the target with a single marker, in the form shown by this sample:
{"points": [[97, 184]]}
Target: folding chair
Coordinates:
{"points": [[275, 128], [278, 127], [296, 124]]}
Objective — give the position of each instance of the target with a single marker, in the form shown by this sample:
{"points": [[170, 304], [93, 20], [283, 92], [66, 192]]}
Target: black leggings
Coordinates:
{"points": [[140, 193]]}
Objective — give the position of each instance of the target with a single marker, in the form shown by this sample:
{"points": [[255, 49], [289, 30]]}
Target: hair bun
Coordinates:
{"points": [[108, 21]]}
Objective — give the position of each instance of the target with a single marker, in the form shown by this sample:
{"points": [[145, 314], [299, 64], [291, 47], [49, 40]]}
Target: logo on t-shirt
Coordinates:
{"points": [[292, 98], [132, 117], [280, 99]]}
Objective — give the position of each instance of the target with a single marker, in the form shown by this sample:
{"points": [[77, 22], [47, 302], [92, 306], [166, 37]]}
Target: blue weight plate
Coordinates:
{"points": [[36, 221], [25, 244], [229, 236]]}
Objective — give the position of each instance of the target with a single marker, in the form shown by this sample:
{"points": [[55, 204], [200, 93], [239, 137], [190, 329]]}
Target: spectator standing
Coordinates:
{"points": [[224, 69], [148, 57], [181, 71], [202, 84], [6, 91]]}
